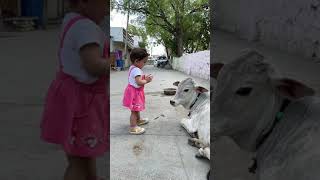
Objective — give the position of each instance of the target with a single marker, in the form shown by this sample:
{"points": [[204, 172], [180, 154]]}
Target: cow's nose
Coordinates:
{"points": [[172, 102]]}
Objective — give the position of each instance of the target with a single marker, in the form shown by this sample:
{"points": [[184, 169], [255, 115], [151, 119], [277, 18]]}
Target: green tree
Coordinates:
{"points": [[180, 25], [140, 32]]}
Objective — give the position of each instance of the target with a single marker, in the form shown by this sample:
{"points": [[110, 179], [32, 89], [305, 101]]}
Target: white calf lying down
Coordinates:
{"points": [[278, 118], [197, 100]]}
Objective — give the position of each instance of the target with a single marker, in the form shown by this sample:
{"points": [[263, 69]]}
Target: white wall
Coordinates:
{"points": [[118, 36], [289, 25], [136, 39], [196, 64], [117, 33]]}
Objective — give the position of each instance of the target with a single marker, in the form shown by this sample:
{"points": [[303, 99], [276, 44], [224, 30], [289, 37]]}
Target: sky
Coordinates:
{"points": [[119, 20]]}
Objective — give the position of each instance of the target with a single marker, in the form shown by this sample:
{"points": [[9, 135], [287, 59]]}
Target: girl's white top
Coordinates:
{"points": [[81, 33], [133, 74]]}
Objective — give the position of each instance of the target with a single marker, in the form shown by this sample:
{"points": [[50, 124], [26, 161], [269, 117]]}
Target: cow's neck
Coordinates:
{"points": [[195, 102], [268, 131], [296, 116], [200, 99], [247, 139]]}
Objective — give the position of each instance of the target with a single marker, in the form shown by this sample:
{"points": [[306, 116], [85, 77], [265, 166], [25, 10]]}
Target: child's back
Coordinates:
{"points": [[81, 33], [76, 111]]}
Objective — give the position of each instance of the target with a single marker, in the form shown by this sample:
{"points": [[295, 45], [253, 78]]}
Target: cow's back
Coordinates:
{"points": [[293, 150], [204, 124], [202, 114]]}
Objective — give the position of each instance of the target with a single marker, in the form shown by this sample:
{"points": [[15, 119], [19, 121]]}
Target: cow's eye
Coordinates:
{"points": [[186, 90], [244, 91]]}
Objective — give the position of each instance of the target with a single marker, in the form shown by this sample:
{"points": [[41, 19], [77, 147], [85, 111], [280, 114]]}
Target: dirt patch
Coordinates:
{"points": [[138, 148], [169, 91]]}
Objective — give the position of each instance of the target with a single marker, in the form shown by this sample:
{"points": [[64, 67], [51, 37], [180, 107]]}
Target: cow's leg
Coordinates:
{"points": [[194, 135], [203, 153], [195, 142], [187, 125], [192, 142]]}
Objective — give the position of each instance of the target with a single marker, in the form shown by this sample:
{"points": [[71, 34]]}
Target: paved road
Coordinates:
{"points": [[162, 152]]}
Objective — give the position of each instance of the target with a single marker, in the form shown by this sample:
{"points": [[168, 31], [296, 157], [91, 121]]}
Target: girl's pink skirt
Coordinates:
{"points": [[134, 98], [76, 116]]}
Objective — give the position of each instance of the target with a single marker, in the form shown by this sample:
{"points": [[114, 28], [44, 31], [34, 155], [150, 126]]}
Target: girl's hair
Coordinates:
{"points": [[74, 3], [138, 54]]}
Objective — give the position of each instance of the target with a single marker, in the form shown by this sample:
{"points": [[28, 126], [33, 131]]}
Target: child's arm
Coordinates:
{"points": [[92, 61], [141, 81]]}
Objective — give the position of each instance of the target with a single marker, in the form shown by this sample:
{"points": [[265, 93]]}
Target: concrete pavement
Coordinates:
{"points": [[162, 152]]}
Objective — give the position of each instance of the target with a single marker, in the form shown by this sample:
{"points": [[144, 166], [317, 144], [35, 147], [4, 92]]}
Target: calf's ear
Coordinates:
{"points": [[292, 89], [215, 69], [200, 89], [176, 83]]}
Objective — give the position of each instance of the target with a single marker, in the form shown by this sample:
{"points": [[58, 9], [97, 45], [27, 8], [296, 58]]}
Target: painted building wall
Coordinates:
{"points": [[196, 64]]}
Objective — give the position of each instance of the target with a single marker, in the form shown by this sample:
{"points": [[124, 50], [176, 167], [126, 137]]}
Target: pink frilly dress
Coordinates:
{"points": [[76, 115], [134, 98]]}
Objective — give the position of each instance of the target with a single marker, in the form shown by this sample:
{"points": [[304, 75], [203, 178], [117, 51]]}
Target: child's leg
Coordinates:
{"points": [[138, 116], [133, 118], [77, 168], [135, 129], [92, 167], [92, 170], [140, 120]]}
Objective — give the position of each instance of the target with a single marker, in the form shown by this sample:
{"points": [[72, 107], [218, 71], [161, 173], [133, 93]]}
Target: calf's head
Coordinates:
{"points": [[248, 93], [186, 93]]}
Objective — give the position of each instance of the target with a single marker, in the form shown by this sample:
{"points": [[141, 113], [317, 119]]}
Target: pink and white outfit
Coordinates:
{"points": [[134, 98], [76, 112]]}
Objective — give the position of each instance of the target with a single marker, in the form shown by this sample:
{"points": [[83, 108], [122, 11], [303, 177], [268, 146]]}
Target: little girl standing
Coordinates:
{"points": [[76, 112], [134, 98]]}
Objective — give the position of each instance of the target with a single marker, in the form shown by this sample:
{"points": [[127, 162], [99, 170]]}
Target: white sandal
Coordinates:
{"points": [[137, 130], [143, 121]]}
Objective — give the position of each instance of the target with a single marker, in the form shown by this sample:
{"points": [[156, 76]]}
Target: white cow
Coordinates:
{"points": [[278, 118], [197, 100]]}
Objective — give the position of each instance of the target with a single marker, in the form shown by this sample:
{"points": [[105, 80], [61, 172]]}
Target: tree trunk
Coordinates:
{"points": [[167, 51], [179, 42], [212, 20], [179, 31]]}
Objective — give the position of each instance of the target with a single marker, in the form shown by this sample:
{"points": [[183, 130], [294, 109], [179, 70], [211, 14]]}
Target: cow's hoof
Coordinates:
{"points": [[199, 156], [198, 144], [194, 135], [191, 142]]}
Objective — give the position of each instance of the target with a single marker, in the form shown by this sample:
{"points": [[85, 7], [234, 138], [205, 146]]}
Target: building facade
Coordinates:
{"points": [[118, 42]]}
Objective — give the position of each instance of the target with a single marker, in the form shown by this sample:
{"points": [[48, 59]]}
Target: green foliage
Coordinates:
{"points": [[180, 25]]}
